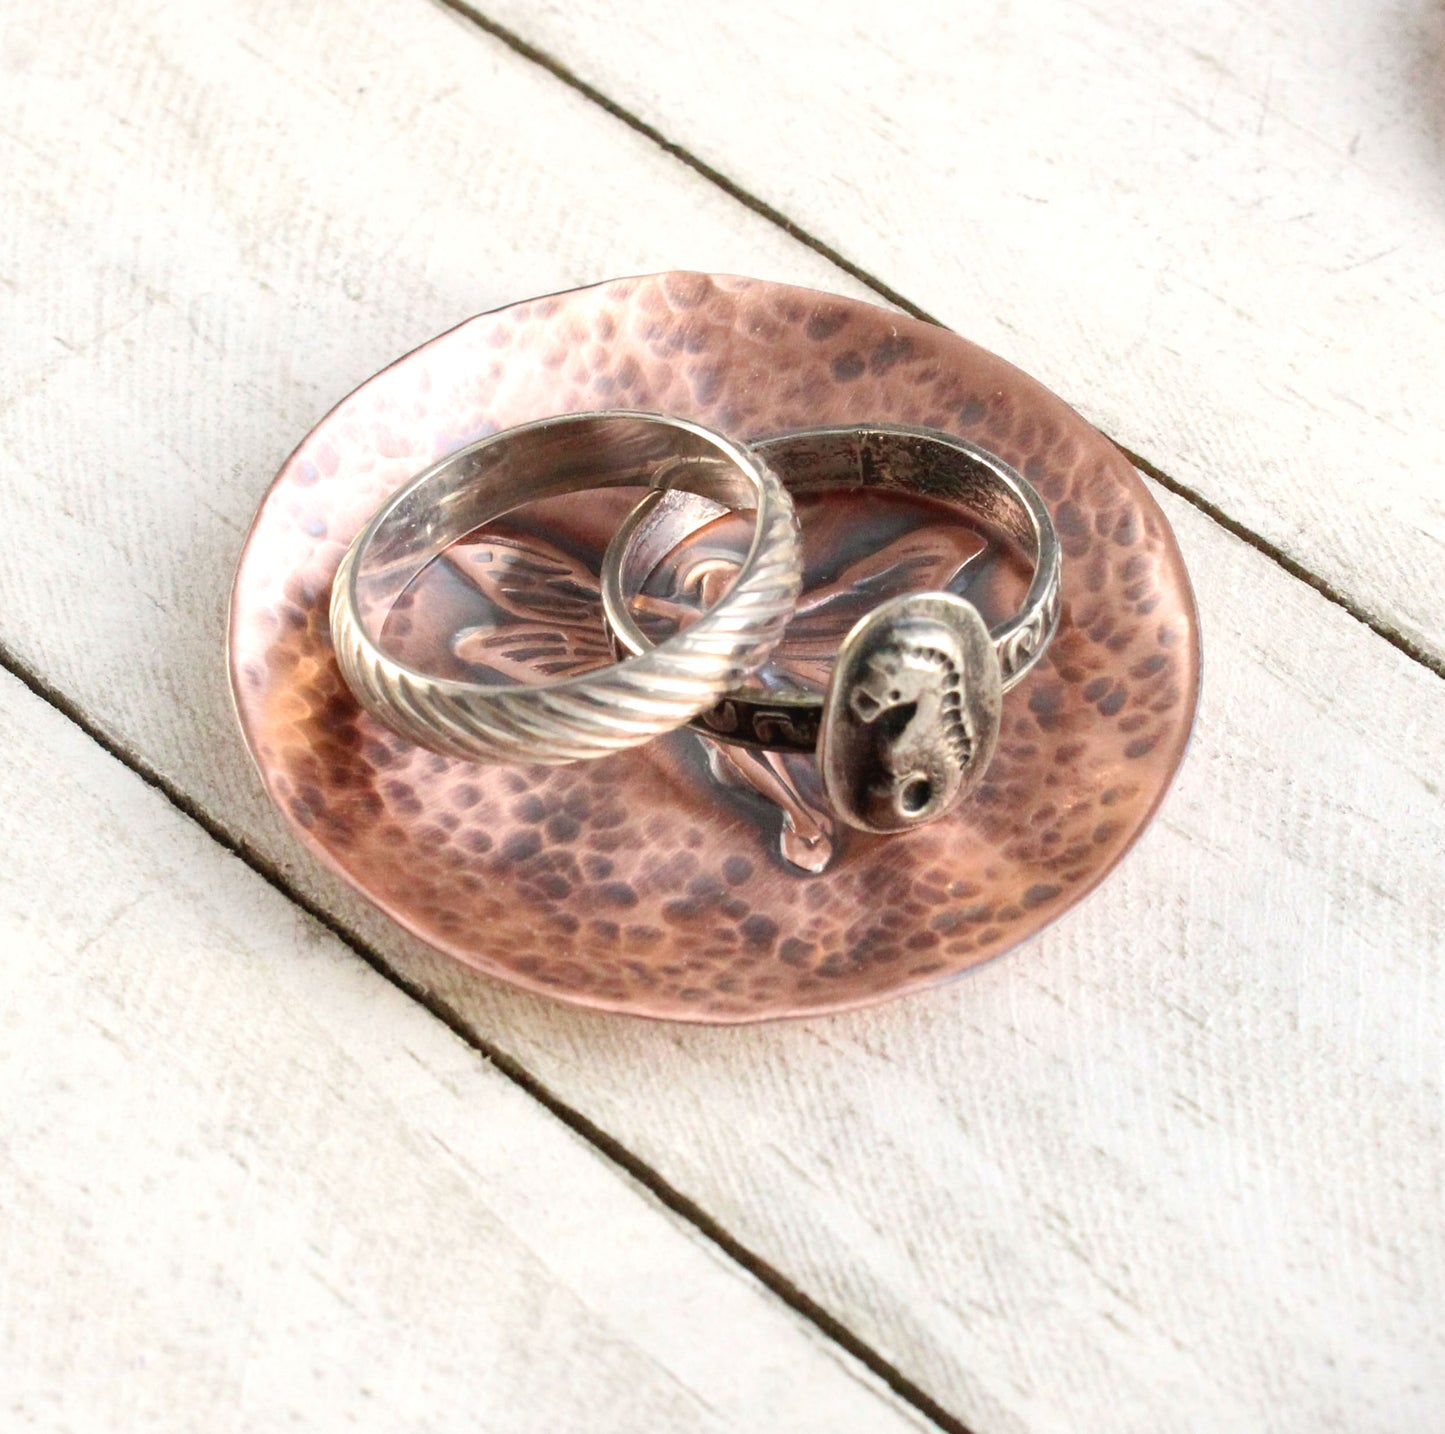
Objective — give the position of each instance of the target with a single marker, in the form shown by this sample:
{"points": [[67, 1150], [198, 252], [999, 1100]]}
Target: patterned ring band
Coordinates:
{"points": [[911, 715], [595, 713]]}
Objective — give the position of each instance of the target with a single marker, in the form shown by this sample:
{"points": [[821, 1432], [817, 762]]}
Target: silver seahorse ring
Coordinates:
{"points": [[594, 713], [909, 721]]}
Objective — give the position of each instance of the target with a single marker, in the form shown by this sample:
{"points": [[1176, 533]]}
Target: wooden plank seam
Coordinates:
{"points": [[1401, 641], [599, 1139]]}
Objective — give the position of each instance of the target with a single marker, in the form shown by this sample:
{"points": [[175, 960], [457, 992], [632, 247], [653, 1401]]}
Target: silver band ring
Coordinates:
{"points": [[911, 715], [590, 715]]}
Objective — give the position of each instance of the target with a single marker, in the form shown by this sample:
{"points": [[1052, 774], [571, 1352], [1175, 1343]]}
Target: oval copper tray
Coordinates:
{"points": [[667, 882]]}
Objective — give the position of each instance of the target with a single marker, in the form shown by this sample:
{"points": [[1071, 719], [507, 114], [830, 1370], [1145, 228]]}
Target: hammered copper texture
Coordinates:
{"points": [[636, 883]]}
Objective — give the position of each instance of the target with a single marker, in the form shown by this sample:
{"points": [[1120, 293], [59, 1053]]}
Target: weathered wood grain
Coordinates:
{"points": [[1176, 1166], [248, 1184], [1217, 229]]}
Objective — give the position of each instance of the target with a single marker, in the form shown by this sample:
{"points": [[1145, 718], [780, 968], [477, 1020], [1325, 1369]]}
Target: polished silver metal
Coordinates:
{"points": [[911, 716], [591, 715]]}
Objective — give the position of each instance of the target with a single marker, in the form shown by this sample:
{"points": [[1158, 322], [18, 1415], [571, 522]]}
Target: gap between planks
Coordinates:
{"points": [[1401, 641], [605, 1144]]}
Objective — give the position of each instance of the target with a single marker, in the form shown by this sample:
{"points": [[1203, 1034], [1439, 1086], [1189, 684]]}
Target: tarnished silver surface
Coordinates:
{"points": [[912, 713], [939, 731], [594, 713]]}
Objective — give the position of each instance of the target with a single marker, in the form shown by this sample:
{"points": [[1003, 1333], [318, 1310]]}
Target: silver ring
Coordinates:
{"points": [[911, 716], [590, 715]]}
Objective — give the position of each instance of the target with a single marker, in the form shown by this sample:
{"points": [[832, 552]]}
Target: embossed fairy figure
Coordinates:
{"points": [[525, 606]]}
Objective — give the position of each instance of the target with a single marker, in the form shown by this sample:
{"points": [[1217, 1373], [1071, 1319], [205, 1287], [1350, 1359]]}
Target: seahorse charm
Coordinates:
{"points": [[912, 713]]}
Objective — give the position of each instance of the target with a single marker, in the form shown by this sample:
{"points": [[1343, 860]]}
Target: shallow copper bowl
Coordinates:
{"points": [[641, 883]]}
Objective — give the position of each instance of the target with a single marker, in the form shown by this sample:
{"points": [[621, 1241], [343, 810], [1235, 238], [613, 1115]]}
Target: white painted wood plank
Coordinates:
{"points": [[248, 1184], [1174, 1167], [1216, 228], [1178, 1164]]}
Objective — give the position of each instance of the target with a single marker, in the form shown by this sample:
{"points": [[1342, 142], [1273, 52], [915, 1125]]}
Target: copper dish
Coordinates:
{"points": [[677, 881]]}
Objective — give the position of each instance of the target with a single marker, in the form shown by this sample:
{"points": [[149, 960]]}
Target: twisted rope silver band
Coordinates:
{"points": [[573, 718]]}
